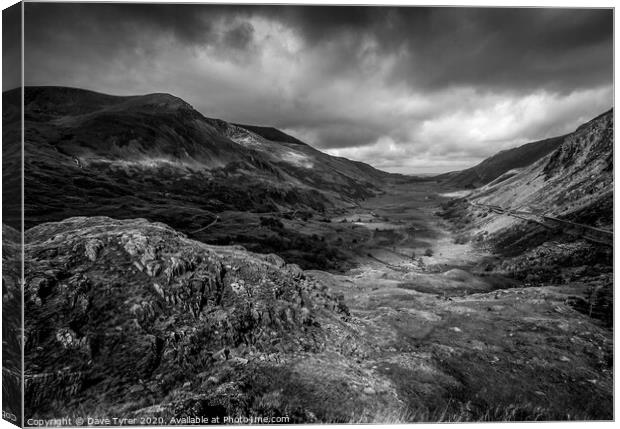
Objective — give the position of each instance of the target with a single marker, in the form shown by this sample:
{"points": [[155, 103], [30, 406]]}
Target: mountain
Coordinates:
{"points": [[502, 165], [573, 180], [552, 222], [74, 132], [154, 156]]}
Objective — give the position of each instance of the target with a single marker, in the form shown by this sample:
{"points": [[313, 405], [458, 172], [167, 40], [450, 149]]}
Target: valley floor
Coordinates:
{"points": [[451, 341]]}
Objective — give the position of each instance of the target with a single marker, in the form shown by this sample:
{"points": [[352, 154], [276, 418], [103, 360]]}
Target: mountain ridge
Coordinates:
{"points": [[508, 161], [503, 161]]}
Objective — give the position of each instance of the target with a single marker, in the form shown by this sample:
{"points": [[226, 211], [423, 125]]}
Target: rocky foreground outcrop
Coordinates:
{"points": [[11, 323], [124, 315], [126, 318]]}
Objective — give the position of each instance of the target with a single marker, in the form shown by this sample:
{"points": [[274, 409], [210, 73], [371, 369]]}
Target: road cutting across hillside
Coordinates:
{"points": [[588, 232]]}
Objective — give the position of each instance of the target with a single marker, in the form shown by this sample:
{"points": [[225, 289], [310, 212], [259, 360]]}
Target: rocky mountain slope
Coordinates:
{"points": [[552, 221], [501, 165], [11, 159], [574, 181]]}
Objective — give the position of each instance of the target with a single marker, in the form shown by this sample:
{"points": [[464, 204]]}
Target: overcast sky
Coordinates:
{"points": [[410, 90]]}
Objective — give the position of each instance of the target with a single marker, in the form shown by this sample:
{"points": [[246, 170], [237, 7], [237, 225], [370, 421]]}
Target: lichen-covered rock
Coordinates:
{"points": [[92, 248]]}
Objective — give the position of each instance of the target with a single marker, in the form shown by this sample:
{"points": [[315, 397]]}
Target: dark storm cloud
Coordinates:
{"points": [[380, 84], [11, 47], [497, 48], [185, 23], [123, 26], [240, 36]]}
